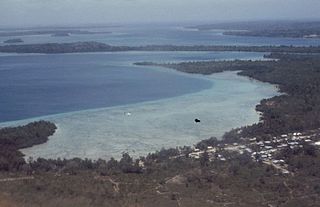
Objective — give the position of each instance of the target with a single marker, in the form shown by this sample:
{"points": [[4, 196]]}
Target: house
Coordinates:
{"points": [[253, 139], [195, 155], [293, 143], [248, 150], [211, 149]]}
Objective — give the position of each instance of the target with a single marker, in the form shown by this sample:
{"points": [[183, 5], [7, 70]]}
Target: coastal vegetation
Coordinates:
{"points": [[172, 177], [14, 138], [287, 29], [78, 47], [297, 77], [164, 179], [61, 48]]}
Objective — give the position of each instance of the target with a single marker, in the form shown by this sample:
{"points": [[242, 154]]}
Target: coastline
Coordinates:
{"points": [[92, 46], [270, 157], [97, 123], [129, 61]]}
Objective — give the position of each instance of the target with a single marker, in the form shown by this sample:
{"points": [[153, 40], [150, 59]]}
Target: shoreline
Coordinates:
{"points": [[141, 135], [250, 156], [88, 47], [52, 116], [134, 65]]}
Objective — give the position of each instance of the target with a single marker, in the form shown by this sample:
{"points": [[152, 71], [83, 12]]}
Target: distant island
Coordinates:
{"points": [[17, 40], [51, 48], [49, 32], [61, 34], [287, 29], [274, 162], [78, 47]]}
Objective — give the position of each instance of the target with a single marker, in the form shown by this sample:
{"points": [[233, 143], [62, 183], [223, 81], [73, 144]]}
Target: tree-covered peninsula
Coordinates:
{"points": [[275, 162], [78, 47]]}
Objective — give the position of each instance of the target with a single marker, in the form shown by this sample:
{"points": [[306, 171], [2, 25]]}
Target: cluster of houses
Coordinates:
{"points": [[212, 152], [262, 150]]}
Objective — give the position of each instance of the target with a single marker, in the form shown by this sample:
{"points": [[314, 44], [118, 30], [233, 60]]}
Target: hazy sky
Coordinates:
{"points": [[62, 12]]}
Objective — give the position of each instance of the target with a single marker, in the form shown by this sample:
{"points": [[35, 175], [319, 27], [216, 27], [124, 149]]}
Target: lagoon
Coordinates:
{"points": [[39, 85], [149, 126], [227, 102], [103, 105]]}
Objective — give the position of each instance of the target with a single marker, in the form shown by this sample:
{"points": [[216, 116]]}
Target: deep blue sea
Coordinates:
{"points": [[38, 85], [136, 35], [89, 95]]}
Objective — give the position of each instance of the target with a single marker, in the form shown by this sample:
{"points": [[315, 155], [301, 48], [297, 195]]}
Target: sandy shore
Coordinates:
{"points": [[145, 127]]}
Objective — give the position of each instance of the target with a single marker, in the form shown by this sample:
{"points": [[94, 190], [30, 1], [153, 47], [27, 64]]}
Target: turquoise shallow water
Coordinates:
{"points": [[106, 132], [103, 105], [38, 85]]}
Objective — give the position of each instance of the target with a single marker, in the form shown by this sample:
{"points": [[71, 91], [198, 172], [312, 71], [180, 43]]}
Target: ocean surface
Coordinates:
{"points": [[38, 85], [160, 34], [145, 127], [104, 105]]}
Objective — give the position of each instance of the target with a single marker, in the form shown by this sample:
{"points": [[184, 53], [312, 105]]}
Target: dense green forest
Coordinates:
{"points": [[14, 138], [297, 76], [165, 181], [170, 177]]}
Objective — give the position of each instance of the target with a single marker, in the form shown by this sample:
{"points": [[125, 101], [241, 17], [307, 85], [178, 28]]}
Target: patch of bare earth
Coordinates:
{"points": [[6, 202]]}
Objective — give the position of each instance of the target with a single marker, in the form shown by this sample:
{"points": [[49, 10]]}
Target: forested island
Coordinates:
{"points": [[78, 47], [48, 32], [236, 171], [11, 41], [287, 29]]}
